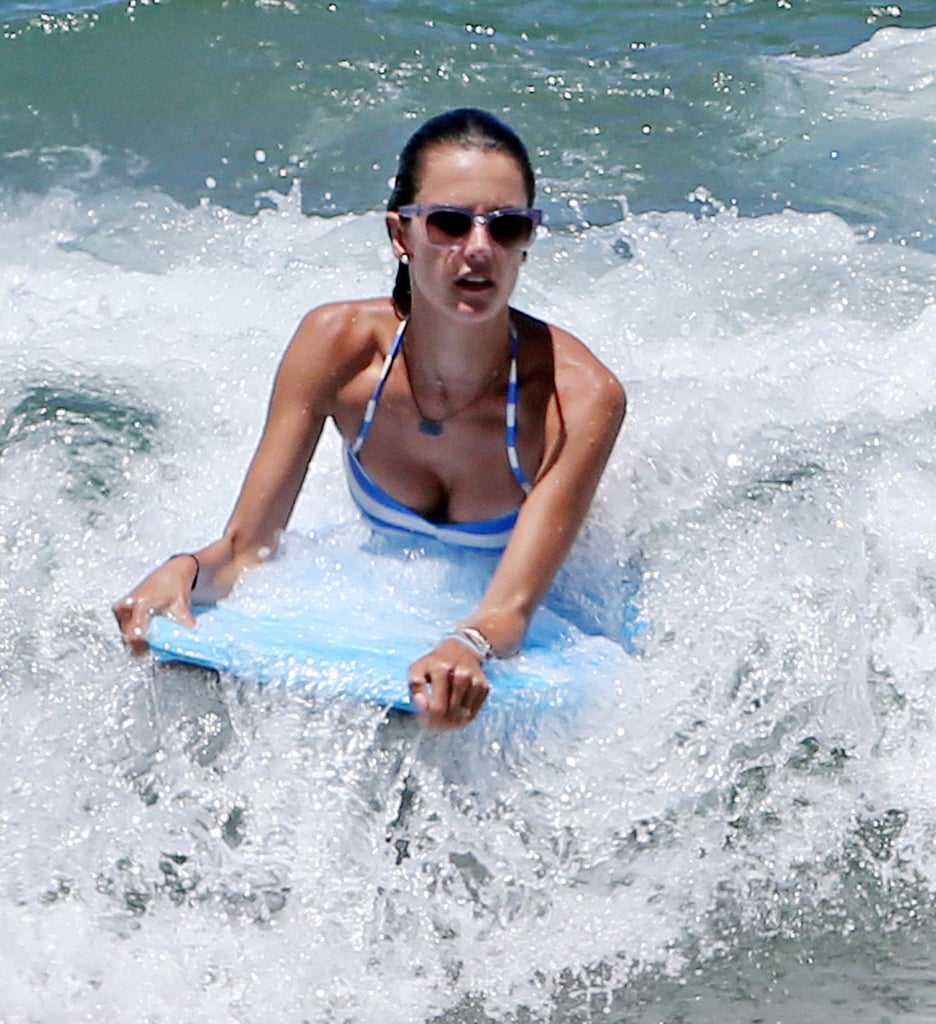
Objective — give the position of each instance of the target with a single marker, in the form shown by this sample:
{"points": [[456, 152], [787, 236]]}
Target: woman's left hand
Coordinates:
{"points": [[449, 685]]}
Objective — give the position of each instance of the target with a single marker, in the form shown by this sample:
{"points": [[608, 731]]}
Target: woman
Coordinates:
{"points": [[462, 418]]}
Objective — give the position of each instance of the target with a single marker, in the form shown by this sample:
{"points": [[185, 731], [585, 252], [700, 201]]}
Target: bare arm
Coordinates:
{"points": [[589, 410], [302, 398], [552, 514], [298, 407]]}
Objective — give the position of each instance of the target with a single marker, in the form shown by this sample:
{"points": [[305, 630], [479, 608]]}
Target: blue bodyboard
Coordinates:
{"points": [[308, 656], [334, 617]]}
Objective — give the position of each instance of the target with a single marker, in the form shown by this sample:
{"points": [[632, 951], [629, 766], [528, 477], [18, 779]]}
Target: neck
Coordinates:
{"points": [[454, 354], [449, 373]]}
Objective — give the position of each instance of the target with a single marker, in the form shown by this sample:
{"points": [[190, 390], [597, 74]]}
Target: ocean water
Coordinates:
{"points": [[740, 826]]}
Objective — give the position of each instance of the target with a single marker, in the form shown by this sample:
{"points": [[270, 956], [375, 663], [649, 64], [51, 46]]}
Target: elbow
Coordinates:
{"points": [[620, 403], [612, 398]]}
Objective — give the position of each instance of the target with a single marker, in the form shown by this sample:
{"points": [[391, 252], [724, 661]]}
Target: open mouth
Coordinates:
{"points": [[474, 283]]}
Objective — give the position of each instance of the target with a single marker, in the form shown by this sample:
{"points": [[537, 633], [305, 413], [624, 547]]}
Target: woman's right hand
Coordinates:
{"points": [[166, 591], [448, 685]]}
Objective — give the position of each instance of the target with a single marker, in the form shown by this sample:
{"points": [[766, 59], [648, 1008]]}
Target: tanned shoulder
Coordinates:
{"points": [[583, 380], [334, 342], [332, 345], [344, 334]]}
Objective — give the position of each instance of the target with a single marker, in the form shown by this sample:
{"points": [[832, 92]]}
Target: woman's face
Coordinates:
{"points": [[474, 279]]}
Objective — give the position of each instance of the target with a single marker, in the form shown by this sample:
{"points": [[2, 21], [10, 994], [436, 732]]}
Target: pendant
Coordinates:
{"points": [[431, 427]]}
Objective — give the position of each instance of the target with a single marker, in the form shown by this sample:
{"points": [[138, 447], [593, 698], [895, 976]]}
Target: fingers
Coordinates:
{"points": [[449, 686], [419, 691], [163, 592], [181, 611], [133, 618]]}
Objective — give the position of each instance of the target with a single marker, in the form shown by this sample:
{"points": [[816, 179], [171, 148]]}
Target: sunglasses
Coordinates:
{"points": [[447, 226]]}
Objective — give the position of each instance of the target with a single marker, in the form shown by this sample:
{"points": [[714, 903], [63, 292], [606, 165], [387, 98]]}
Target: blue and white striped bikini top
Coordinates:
{"points": [[386, 513]]}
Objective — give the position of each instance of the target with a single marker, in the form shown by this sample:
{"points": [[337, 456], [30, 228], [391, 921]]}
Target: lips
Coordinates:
{"points": [[474, 283]]}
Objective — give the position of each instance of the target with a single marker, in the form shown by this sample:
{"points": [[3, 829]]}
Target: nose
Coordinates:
{"points": [[478, 240]]}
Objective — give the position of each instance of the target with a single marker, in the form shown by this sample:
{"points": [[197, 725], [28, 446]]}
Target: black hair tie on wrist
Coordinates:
{"points": [[188, 554]]}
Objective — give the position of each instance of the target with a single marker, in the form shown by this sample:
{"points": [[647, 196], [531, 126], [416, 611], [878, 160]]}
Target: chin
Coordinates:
{"points": [[471, 313], [482, 305]]}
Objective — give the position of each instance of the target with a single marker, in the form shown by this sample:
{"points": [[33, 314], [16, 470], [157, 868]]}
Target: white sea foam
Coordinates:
{"points": [[845, 131]]}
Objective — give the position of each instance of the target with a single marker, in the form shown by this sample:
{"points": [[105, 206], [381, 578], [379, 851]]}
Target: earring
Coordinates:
{"points": [[404, 259]]}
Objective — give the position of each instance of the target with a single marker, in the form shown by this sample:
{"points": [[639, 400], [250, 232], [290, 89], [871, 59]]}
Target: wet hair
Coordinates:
{"points": [[467, 127]]}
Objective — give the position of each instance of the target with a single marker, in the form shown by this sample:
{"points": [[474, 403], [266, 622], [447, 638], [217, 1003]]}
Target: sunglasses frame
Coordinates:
{"points": [[535, 217]]}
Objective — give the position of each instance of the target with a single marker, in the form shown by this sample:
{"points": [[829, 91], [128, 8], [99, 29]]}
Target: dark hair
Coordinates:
{"points": [[467, 127]]}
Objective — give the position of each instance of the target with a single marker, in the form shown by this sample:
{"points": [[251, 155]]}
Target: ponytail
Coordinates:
{"points": [[402, 291]]}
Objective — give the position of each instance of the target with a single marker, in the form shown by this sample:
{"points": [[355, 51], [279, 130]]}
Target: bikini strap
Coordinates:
{"points": [[513, 388], [368, 418]]}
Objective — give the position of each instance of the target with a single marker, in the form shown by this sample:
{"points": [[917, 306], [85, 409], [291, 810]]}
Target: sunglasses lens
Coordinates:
{"points": [[444, 226], [511, 229], [448, 226]]}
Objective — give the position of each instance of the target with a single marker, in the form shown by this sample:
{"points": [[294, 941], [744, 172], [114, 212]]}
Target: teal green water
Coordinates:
{"points": [[618, 99]]}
